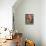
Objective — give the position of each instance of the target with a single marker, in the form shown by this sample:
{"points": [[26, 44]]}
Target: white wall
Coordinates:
{"points": [[29, 31], [32, 6], [6, 13], [43, 22]]}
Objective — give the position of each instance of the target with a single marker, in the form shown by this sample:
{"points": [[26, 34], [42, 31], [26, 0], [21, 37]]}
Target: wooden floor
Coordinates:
{"points": [[9, 43]]}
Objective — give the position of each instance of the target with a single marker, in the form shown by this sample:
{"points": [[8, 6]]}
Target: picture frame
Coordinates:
{"points": [[29, 18]]}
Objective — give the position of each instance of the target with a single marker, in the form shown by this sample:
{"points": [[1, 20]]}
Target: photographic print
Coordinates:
{"points": [[29, 18]]}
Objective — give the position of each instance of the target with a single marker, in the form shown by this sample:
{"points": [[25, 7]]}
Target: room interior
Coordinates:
{"points": [[14, 30]]}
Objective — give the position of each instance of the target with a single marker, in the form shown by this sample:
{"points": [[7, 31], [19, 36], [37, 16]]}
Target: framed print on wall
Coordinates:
{"points": [[29, 19]]}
